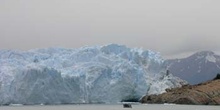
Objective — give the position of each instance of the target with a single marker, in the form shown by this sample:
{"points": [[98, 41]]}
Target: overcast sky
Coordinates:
{"points": [[171, 27]]}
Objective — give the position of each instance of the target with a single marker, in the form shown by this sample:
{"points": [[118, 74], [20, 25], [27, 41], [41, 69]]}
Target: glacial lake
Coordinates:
{"points": [[111, 107]]}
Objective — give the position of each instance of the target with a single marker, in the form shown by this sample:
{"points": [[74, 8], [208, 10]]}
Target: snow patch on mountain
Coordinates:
{"points": [[211, 58]]}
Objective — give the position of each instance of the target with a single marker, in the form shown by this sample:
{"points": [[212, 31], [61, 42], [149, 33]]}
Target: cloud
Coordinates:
{"points": [[171, 27]]}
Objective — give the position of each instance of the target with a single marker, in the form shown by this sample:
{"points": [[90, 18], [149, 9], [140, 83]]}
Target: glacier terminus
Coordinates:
{"points": [[91, 74]]}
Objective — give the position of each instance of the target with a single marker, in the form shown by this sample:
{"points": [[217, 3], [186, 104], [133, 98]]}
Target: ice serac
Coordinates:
{"points": [[98, 74]]}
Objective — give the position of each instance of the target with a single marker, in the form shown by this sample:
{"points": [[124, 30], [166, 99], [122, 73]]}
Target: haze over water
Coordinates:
{"points": [[112, 107]]}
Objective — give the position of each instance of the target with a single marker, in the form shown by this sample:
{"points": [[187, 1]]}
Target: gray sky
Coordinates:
{"points": [[172, 27]]}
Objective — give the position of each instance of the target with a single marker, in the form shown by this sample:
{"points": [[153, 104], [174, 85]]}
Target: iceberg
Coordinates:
{"points": [[97, 74]]}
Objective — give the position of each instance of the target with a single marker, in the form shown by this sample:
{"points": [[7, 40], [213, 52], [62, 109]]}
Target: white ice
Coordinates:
{"points": [[98, 74]]}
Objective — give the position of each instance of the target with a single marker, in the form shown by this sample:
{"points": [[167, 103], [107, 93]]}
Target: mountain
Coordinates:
{"points": [[96, 74], [207, 93], [199, 67]]}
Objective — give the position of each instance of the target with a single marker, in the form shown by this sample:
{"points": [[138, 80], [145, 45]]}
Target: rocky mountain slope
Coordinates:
{"points": [[207, 93], [197, 68]]}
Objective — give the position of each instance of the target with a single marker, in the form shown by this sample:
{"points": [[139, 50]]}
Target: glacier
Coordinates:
{"points": [[90, 74]]}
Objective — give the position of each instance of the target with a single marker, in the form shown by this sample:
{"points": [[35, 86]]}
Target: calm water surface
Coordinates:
{"points": [[111, 107]]}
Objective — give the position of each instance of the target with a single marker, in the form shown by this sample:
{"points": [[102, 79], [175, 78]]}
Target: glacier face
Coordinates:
{"points": [[98, 74]]}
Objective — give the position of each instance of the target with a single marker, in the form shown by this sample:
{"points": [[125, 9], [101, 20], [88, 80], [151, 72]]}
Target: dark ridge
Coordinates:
{"points": [[217, 76]]}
